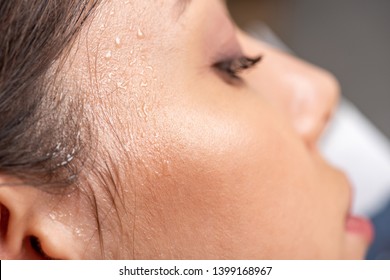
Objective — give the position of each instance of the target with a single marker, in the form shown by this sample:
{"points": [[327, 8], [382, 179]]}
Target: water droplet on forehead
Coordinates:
{"points": [[139, 113], [117, 41], [134, 61], [121, 85], [145, 110], [78, 231], [108, 54], [167, 168], [127, 147], [144, 84], [140, 34]]}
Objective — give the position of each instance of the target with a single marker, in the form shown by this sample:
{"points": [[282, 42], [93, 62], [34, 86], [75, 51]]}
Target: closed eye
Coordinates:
{"points": [[234, 67]]}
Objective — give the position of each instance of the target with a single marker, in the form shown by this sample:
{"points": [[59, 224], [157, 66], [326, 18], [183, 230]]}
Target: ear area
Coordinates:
{"points": [[26, 229]]}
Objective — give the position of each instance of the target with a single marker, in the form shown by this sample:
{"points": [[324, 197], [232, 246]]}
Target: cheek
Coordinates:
{"points": [[217, 182], [193, 184], [223, 174]]}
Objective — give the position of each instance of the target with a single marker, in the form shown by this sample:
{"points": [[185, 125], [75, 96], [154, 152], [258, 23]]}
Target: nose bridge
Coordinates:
{"points": [[314, 94], [304, 93]]}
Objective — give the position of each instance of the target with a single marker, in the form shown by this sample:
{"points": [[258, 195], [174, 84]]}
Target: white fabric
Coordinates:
{"points": [[355, 145]]}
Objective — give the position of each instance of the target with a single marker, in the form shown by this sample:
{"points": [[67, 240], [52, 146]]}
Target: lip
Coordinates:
{"points": [[360, 226]]}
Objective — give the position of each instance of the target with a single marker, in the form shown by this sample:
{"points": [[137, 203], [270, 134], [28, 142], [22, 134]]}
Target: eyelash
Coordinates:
{"points": [[234, 67]]}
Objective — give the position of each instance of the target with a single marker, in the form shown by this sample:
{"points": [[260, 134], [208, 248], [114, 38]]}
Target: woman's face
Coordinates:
{"points": [[207, 165]]}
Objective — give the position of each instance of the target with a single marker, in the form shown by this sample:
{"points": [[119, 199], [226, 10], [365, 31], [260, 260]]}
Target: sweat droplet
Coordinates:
{"points": [[143, 84], [167, 169], [121, 85], [140, 34], [145, 111], [78, 232], [108, 55], [117, 41]]}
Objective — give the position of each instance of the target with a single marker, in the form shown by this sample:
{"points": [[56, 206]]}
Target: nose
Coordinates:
{"points": [[305, 94]]}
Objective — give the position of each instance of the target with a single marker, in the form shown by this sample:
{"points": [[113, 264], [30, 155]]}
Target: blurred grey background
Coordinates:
{"points": [[351, 38]]}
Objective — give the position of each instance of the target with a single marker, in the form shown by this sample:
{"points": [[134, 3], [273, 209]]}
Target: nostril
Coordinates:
{"points": [[311, 123]]}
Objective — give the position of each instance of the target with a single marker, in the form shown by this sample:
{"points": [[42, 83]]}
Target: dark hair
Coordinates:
{"points": [[41, 129]]}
